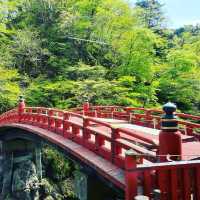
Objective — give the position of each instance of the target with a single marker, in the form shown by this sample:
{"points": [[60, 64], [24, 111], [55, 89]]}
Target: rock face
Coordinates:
{"points": [[25, 183], [21, 173], [57, 191], [21, 182]]}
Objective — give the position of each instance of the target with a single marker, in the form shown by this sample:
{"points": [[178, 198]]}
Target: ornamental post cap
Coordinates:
{"points": [[169, 108], [21, 98], [169, 119]]}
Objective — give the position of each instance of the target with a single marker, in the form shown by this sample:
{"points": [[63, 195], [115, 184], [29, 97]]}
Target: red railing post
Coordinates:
{"points": [[170, 142], [65, 123], [148, 118], [86, 123], [86, 108], [38, 116], [189, 130], [114, 150], [21, 107], [128, 112], [51, 122], [130, 175]]}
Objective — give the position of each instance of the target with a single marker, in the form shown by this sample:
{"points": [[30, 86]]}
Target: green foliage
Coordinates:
{"points": [[181, 79], [9, 89], [137, 52], [152, 14], [28, 53], [101, 50], [83, 71], [50, 93], [57, 167]]}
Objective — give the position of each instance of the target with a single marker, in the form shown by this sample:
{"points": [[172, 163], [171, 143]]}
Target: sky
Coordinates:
{"points": [[181, 12]]}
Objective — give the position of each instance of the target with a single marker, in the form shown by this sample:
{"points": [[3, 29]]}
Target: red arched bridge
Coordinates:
{"points": [[135, 149]]}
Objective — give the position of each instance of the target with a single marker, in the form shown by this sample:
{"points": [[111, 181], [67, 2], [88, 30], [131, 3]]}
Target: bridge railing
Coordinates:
{"points": [[171, 180], [109, 142], [188, 124]]}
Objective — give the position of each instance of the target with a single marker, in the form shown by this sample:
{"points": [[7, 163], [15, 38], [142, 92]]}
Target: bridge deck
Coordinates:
{"points": [[191, 148], [102, 166]]}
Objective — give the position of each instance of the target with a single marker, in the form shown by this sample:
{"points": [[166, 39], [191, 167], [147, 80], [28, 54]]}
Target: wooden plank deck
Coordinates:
{"points": [[189, 147]]}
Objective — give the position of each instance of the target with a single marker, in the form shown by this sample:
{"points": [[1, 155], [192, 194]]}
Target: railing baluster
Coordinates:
{"points": [[187, 185], [163, 183], [197, 183], [130, 175], [114, 135], [147, 182], [174, 184], [86, 123]]}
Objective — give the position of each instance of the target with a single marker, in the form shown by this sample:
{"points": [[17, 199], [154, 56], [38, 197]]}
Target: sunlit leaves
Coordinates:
{"points": [[9, 88]]}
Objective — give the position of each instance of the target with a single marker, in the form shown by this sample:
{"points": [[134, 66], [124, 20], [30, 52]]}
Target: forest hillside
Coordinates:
{"points": [[60, 53]]}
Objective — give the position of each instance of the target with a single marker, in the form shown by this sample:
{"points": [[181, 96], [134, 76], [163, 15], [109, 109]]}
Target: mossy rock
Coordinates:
{"points": [[46, 187], [49, 198], [57, 167], [67, 188]]}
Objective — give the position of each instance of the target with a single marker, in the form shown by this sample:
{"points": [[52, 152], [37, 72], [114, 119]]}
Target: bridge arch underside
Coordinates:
{"points": [[90, 164]]}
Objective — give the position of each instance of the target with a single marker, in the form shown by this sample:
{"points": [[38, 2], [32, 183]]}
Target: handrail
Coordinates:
{"points": [[182, 115], [167, 165], [145, 117], [61, 122]]}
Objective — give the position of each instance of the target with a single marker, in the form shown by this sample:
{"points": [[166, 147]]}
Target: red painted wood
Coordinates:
{"points": [[187, 184], [197, 183], [162, 183], [174, 184], [130, 177], [147, 183], [166, 146]]}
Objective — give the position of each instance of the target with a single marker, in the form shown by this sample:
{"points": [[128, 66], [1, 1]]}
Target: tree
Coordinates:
{"points": [[136, 49], [50, 93], [180, 80], [29, 56], [152, 14], [9, 89]]}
